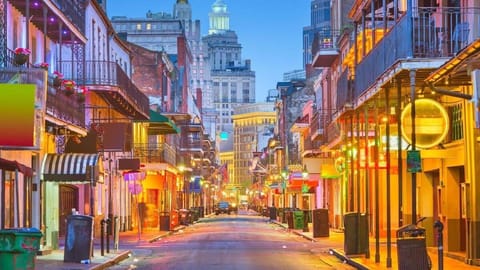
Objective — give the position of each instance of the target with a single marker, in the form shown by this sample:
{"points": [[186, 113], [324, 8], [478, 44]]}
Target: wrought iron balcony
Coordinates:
{"points": [[65, 108], [59, 106], [317, 125], [110, 81], [155, 153], [49, 15], [324, 48], [433, 33]]}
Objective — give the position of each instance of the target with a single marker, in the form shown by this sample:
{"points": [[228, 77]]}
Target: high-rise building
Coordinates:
{"points": [[233, 81], [319, 22], [253, 125]]}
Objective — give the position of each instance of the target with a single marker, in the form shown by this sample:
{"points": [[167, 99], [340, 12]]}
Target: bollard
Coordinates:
{"points": [[439, 227], [116, 227], [305, 221], [102, 235], [109, 232]]}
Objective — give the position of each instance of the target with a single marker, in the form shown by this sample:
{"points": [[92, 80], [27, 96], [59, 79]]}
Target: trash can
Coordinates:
{"points": [[18, 248], [183, 217], [78, 238], [412, 248], [273, 213], [356, 233], [320, 225], [201, 209], [195, 213], [298, 220], [164, 221]]}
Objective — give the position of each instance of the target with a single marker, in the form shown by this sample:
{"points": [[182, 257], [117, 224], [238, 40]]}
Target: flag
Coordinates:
{"points": [[224, 172]]}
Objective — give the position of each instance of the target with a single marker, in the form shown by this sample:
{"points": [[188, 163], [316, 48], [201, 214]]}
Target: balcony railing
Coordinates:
{"points": [[434, 33], [155, 153], [63, 107], [344, 93], [104, 73], [317, 125], [73, 10]]}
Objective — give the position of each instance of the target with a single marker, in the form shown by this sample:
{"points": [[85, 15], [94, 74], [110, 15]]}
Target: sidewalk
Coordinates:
{"points": [[54, 260], [336, 242]]}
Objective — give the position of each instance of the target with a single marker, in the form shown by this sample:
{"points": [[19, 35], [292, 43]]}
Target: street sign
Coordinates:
{"points": [[414, 162]]}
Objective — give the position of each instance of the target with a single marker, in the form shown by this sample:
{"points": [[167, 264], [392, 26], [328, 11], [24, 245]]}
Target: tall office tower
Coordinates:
{"points": [[319, 22], [233, 81], [253, 126]]}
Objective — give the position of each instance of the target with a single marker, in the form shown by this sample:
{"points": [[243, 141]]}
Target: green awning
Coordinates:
{"points": [[159, 124]]}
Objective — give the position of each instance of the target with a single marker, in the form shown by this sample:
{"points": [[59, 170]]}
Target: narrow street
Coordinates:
{"points": [[231, 242]]}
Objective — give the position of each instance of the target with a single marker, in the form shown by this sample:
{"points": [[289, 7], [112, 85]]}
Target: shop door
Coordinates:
{"points": [[68, 200]]}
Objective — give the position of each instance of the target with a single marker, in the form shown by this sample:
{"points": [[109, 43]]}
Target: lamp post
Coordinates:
{"points": [[305, 190]]}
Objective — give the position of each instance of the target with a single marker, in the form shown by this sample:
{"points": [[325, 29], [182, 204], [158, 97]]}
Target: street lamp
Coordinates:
{"points": [[304, 177]]}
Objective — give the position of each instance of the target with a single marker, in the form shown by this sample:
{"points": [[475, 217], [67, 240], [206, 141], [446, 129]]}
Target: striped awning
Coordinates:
{"points": [[72, 167]]}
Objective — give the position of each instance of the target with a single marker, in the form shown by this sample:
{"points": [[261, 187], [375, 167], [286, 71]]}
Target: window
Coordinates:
{"points": [[139, 26], [149, 26]]}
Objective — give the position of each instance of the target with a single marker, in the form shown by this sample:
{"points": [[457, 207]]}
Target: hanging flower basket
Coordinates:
{"points": [[58, 79], [21, 56], [43, 66], [69, 87], [81, 94], [20, 59], [69, 91]]}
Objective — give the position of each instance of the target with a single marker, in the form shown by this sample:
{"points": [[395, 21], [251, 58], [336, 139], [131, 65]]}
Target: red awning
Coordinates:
{"points": [[298, 183], [10, 165]]}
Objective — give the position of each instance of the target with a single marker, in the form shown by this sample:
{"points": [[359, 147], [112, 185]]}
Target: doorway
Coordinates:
{"points": [[68, 199]]}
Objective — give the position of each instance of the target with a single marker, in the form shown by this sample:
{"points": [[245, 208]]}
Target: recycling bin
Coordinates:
{"points": [[412, 248], [320, 225], [18, 248], [298, 221], [356, 233], [78, 239], [174, 219], [164, 221]]}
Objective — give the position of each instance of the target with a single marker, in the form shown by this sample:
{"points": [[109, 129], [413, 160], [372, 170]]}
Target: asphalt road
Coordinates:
{"points": [[231, 242]]}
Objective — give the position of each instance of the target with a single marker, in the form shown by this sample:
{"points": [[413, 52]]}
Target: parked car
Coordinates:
{"points": [[222, 208]]}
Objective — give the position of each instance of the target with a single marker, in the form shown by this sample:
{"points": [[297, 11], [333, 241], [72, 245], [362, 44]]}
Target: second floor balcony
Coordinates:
{"points": [[110, 81], [428, 36], [155, 153]]}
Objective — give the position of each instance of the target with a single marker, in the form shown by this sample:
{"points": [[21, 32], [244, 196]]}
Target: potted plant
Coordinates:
{"points": [[58, 79], [42, 65], [81, 94], [69, 87], [21, 56]]}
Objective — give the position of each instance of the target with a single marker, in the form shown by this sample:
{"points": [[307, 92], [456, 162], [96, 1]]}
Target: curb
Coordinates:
{"points": [[176, 229], [122, 256], [340, 255]]}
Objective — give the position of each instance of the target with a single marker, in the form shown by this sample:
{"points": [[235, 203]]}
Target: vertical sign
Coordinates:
{"points": [[18, 110]]}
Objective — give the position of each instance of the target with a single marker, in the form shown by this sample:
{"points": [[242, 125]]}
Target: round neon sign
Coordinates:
{"points": [[431, 123]]}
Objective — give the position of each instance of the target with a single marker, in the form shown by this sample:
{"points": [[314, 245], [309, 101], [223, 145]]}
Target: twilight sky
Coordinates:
{"points": [[270, 31]]}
